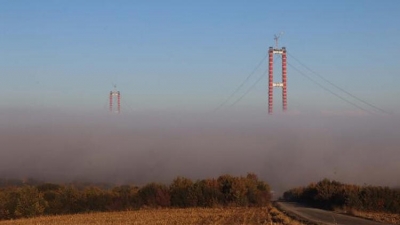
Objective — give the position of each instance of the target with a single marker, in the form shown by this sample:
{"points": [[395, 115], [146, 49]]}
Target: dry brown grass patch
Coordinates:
{"points": [[377, 216], [236, 215]]}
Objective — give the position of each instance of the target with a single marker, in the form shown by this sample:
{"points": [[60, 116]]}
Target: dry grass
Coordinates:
{"points": [[241, 215], [379, 217]]}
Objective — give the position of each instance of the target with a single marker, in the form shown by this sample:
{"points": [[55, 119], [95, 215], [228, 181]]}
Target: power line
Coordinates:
{"points": [[327, 89], [251, 87], [336, 86], [241, 85]]}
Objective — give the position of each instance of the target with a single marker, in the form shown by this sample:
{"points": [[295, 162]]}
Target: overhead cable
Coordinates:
{"points": [[327, 89], [241, 85], [251, 87], [336, 86]]}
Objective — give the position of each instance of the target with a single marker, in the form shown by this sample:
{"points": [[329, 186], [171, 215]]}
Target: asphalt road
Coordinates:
{"points": [[319, 216]]}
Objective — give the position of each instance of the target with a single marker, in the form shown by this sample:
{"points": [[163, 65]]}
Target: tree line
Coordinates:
{"points": [[330, 195], [29, 200]]}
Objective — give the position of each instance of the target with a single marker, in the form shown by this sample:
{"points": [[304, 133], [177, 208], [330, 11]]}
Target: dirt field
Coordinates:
{"points": [[167, 216]]}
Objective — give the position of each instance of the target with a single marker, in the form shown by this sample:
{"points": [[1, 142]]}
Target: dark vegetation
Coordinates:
{"points": [[30, 198], [332, 195]]}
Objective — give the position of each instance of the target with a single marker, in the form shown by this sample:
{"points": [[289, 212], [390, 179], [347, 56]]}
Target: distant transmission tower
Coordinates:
{"points": [[115, 94], [271, 83]]}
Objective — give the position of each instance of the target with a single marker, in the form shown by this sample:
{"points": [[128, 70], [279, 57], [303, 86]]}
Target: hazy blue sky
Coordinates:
{"points": [[191, 55]]}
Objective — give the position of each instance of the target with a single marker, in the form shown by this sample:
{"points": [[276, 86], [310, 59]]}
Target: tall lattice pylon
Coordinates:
{"points": [[115, 94], [271, 83]]}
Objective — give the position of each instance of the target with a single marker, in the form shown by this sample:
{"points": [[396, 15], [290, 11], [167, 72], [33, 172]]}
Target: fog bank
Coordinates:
{"points": [[284, 150]]}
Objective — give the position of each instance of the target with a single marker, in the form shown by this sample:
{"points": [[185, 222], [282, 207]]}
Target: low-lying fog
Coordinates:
{"points": [[284, 150]]}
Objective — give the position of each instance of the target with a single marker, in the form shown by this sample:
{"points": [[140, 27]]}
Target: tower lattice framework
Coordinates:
{"points": [[271, 84]]}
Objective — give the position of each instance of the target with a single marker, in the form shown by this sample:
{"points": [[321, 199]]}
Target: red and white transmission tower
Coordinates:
{"points": [[271, 83], [115, 94]]}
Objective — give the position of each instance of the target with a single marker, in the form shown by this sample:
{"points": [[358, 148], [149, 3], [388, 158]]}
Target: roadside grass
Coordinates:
{"points": [[376, 216], [218, 216]]}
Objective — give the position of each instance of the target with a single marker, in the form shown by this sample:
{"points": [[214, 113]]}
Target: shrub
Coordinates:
{"points": [[182, 193], [154, 195]]}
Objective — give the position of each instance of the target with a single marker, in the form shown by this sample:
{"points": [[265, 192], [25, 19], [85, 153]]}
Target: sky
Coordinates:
{"points": [[175, 63], [180, 55]]}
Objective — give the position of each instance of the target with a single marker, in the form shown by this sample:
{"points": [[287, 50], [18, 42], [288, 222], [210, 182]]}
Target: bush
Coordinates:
{"points": [[30, 202], [331, 194], [54, 199], [154, 195], [124, 197], [183, 193], [208, 193]]}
